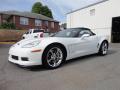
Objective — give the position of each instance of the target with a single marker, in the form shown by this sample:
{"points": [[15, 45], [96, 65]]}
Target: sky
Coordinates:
{"points": [[59, 7]]}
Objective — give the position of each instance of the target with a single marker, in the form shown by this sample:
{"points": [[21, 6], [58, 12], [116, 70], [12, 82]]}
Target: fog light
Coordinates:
{"points": [[24, 58]]}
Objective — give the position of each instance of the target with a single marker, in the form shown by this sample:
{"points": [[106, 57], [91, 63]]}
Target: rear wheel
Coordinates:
{"points": [[103, 48], [53, 57]]}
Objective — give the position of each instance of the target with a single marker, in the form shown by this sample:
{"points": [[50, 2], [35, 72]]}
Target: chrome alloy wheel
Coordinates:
{"points": [[104, 48], [54, 57]]}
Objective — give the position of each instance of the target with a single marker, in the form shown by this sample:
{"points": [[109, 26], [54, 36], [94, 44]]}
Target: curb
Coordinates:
{"points": [[7, 43]]}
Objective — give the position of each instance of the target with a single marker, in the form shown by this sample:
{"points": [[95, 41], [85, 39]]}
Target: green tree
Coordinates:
{"points": [[40, 9], [37, 7], [46, 11]]}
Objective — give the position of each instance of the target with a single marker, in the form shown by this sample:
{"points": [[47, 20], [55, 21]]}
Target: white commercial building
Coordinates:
{"points": [[102, 17]]}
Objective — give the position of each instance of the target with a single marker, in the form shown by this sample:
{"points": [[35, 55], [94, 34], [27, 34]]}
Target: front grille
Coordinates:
{"points": [[24, 58], [14, 57]]}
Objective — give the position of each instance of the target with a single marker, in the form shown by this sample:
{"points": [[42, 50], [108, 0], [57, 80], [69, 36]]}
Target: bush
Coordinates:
{"points": [[7, 26]]}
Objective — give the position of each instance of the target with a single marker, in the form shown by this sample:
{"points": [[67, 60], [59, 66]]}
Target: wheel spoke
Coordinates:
{"points": [[50, 60], [52, 52], [54, 64], [58, 51]]}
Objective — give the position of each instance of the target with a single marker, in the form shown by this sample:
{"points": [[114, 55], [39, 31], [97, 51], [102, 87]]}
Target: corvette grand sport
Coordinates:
{"points": [[52, 51]]}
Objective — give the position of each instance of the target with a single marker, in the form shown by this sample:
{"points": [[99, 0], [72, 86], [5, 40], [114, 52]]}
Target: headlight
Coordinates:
{"points": [[32, 44]]}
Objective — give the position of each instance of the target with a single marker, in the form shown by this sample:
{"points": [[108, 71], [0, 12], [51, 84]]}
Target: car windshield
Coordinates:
{"points": [[67, 33]]}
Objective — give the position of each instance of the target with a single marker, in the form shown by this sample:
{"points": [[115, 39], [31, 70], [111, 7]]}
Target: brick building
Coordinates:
{"points": [[27, 20]]}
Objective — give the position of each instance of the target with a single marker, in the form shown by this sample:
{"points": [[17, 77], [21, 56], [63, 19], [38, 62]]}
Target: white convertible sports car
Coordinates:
{"points": [[52, 51]]}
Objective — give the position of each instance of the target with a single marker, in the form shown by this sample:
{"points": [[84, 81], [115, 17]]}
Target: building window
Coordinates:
{"points": [[92, 12], [52, 24], [38, 22], [46, 23], [24, 21]]}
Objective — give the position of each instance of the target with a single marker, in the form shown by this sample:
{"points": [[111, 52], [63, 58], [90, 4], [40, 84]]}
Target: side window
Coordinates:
{"points": [[84, 32], [74, 33]]}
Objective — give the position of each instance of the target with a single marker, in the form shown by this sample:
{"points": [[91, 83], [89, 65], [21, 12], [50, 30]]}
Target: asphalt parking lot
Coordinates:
{"points": [[87, 73]]}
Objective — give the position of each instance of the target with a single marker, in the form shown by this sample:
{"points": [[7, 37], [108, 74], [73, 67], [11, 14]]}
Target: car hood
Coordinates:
{"points": [[42, 40], [25, 41]]}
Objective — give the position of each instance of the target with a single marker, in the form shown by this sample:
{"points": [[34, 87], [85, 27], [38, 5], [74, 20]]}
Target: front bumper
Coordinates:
{"points": [[24, 57]]}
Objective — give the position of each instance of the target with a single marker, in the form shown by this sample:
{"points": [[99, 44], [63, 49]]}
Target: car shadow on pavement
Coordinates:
{"points": [[87, 57], [34, 68], [80, 59], [112, 52]]}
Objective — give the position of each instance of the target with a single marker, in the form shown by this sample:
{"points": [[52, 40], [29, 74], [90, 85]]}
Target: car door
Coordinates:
{"points": [[91, 41], [77, 47], [90, 44], [83, 45]]}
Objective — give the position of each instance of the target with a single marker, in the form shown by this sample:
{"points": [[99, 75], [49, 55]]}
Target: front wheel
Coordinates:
{"points": [[103, 48], [53, 57]]}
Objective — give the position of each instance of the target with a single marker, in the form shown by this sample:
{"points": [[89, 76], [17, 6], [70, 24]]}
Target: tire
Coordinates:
{"points": [[53, 57], [103, 48]]}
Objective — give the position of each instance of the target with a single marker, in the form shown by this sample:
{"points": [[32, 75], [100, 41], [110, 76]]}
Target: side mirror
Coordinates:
{"points": [[85, 36]]}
